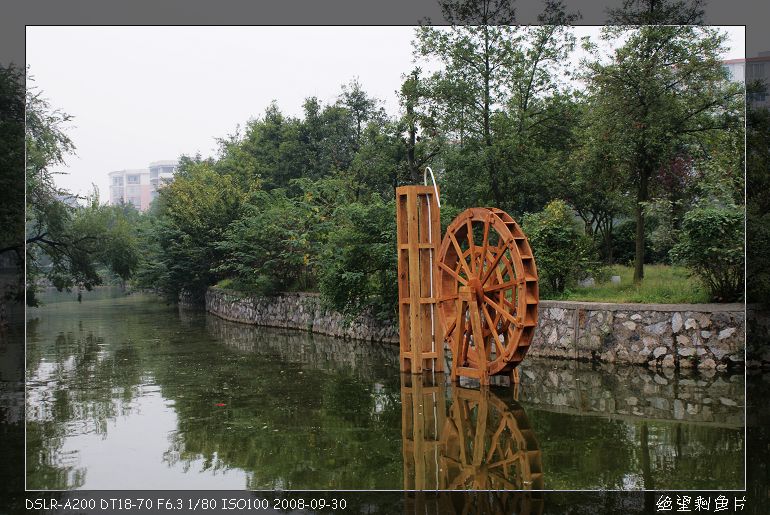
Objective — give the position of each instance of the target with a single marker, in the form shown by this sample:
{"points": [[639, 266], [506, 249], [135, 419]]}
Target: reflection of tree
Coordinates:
{"points": [[76, 377], [293, 416], [311, 421], [584, 452], [688, 456], [304, 411], [48, 467]]}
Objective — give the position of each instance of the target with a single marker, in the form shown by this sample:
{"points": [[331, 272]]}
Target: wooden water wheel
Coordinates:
{"points": [[487, 293]]}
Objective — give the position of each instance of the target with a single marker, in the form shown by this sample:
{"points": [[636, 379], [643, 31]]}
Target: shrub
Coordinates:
{"points": [[358, 267], [711, 246], [563, 252]]}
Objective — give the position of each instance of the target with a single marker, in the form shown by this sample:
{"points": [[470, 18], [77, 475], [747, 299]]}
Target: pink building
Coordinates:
{"points": [[139, 187]]}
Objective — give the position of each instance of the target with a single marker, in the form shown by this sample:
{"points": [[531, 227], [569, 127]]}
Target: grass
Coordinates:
{"points": [[662, 284]]}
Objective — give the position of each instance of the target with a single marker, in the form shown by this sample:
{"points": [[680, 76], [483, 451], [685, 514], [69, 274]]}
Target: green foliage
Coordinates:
{"points": [[306, 202], [711, 245], [623, 240], [591, 181], [11, 161], [272, 246], [499, 102], [193, 214], [358, 267], [563, 253]]}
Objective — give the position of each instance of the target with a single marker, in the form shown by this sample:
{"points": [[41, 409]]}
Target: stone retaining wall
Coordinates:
{"points": [[704, 336], [297, 311], [659, 335]]}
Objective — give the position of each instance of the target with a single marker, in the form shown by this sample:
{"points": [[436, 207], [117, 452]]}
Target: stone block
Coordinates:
{"points": [[726, 333], [676, 322]]}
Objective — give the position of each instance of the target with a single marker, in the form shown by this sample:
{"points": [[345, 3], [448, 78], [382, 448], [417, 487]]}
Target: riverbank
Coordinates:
{"points": [[703, 336]]}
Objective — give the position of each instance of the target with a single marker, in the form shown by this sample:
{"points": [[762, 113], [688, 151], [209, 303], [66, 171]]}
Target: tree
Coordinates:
{"points": [[273, 246], [64, 243], [658, 12], [12, 97], [473, 81], [498, 95], [663, 89], [423, 141], [361, 107], [711, 245], [378, 162], [591, 183], [358, 265], [193, 213]]}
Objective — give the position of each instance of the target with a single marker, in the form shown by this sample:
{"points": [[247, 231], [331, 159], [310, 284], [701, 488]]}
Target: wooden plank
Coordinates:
{"points": [[435, 222], [414, 281]]}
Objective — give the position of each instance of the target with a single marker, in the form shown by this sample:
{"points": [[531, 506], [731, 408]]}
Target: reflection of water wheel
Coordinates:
{"points": [[488, 293], [488, 445]]}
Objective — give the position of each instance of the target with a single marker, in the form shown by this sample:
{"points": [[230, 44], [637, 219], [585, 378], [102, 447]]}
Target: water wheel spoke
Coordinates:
{"points": [[451, 328], [461, 430], [452, 461], [485, 245], [471, 245], [493, 266], [463, 342], [502, 311], [494, 442], [517, 456], [453, 273], [493, 329], [461, 479], [498, 287], [460, 255]]}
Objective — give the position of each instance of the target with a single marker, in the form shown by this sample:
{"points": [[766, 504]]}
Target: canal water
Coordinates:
{"points": [[126, 392]]}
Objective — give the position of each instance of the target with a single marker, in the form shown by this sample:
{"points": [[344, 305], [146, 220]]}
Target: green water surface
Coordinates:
{"points": [[126, 392]]}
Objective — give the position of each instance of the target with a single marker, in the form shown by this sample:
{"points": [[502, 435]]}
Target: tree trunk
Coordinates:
{"points": [[491, 165], [607, 237], [411, 143], [641, 198]]}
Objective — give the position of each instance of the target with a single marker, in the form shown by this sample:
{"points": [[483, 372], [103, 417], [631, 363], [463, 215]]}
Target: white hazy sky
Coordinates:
{"points": [[142, 94]]}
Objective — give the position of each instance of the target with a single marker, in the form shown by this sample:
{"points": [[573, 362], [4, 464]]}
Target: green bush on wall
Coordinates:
{"points": [[563, 252], [711, 245]]}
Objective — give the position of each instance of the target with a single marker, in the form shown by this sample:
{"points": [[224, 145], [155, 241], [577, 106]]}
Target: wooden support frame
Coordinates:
{"points": [[418, 238]]}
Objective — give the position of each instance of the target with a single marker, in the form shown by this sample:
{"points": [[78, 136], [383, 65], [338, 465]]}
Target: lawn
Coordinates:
{"points": [[662, 284]]}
